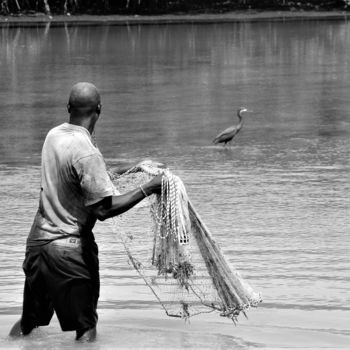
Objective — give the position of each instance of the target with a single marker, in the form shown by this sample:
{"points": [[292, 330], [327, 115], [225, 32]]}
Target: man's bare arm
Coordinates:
{"points": [[116, 205]]}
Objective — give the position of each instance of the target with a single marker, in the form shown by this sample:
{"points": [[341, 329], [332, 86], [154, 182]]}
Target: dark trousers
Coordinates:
{"points": [[61, 276]]}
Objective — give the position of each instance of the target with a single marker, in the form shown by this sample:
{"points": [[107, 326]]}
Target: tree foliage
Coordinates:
{"points": [[161, 6]]}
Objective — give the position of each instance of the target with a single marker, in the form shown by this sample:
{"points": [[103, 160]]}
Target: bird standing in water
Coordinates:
{"points": [[228, 134]]}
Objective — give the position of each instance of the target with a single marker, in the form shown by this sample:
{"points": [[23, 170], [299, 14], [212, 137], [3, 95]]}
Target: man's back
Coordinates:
{"points": [[73, 177]]}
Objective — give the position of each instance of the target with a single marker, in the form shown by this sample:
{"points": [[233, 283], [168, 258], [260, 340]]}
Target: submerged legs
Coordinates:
{"points": [[86, 335]]}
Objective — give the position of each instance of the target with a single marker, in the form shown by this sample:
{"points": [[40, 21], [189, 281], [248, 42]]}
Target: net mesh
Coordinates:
{"points": [[174, 253]]}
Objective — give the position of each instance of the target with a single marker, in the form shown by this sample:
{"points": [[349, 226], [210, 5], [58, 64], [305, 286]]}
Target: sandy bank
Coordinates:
{"points": [[241, 16]]}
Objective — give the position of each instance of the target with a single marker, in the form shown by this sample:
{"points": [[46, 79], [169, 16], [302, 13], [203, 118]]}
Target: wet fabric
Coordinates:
{"points": [[62, 276], [73, 177]]}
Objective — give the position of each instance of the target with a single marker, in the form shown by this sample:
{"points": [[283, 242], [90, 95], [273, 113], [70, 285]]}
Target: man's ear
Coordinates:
{"points": [[98, 109], [68, 108]]}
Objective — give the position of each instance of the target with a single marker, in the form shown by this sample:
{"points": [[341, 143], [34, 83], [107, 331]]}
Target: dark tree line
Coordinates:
{"points": [[161, 6]]}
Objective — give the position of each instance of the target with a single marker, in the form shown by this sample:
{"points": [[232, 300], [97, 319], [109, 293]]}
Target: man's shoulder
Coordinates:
{"points": [[73, 140], [55, 129]]}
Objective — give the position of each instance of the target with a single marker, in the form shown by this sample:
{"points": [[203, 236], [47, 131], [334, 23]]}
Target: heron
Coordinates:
{"points": [[228, 134]]}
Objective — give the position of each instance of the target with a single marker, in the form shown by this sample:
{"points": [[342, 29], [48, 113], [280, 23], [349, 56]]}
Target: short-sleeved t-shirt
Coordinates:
{"points": [[73, 177]]}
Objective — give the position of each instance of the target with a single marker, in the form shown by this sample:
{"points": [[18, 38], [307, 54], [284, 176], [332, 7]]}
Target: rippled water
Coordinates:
{"points": [[277, 200]]}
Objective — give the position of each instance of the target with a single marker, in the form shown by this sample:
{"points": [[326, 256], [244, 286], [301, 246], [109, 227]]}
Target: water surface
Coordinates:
{"points": [[277, 200]]}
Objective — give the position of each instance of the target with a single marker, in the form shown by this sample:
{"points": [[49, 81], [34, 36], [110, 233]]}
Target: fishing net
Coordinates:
{"points": [[173, 251]]}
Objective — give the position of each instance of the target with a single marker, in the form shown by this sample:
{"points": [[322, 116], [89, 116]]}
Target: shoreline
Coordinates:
{"points": [[151, 329], [203, 18]]}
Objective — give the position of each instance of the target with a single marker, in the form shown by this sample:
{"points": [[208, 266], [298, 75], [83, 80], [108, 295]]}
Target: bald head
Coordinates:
{"points": [[84, 99]]}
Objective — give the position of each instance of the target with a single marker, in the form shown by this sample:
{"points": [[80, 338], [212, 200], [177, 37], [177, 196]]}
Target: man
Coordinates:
{"points": [[61, 262]]}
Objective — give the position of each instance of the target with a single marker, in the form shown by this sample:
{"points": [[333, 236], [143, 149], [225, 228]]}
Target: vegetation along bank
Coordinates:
{"points": [[157, 7]]}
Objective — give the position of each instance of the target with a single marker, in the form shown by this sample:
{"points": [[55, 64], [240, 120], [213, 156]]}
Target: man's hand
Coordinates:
{"points": [[150, 167], [153, 186]]}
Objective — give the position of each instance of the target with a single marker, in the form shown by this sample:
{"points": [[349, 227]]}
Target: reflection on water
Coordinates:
{"points": [[183, 80], [277, 200]]}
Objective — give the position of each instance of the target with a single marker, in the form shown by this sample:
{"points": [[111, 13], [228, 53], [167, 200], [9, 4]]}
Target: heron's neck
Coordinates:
{"points": [[240, 119]]}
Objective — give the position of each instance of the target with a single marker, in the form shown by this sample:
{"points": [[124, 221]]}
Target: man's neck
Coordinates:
{"points": [[84, 122]]}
